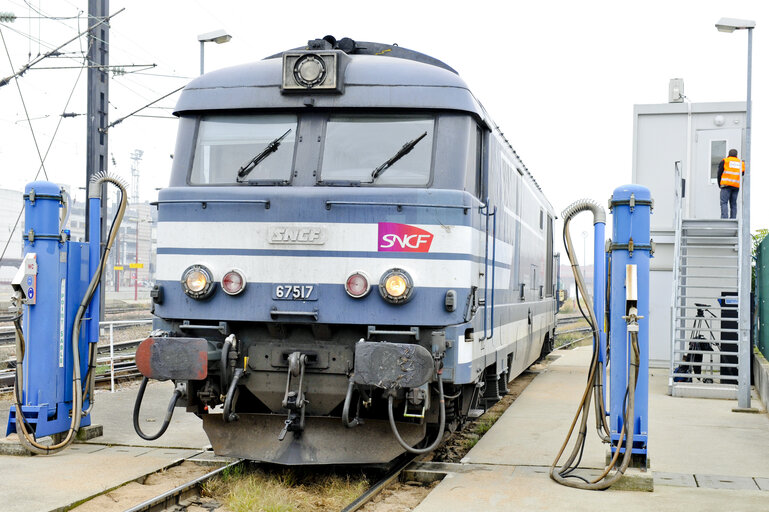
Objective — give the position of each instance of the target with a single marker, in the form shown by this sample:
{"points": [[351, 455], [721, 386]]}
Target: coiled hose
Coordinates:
{"points": [[441, 422], [594, 383], [27, 439], [166, 421]]}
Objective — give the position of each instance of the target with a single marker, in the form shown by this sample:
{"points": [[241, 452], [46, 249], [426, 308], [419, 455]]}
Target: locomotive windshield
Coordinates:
{"points": [[227, 143], [356, 149], [374, 149]]}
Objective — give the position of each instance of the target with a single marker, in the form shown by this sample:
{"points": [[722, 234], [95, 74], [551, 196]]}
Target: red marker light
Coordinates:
{"points": [[357, 285], [233, 282]]}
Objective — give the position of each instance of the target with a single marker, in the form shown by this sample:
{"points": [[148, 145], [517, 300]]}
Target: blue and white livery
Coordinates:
{"points": [[351, 256]]}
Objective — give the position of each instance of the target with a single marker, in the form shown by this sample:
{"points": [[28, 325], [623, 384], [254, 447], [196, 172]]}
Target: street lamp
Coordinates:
{"points": [[217, 36], [743, 372]]}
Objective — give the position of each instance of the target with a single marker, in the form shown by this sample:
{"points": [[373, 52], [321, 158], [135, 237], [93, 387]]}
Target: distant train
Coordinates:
{"points": [[351, 257]]}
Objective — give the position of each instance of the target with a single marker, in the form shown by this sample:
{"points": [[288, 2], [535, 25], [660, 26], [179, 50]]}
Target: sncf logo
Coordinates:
{"points": [[403, 238]]}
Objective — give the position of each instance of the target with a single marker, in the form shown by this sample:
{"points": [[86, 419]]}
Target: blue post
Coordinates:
{"points": [[631, 245], [94, 248], [599, 288]]}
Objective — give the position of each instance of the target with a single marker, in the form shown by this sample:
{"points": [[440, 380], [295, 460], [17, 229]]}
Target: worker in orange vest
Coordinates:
{"points": [[730, 170]]}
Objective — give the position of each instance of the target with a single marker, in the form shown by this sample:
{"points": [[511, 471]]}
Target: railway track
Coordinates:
{"points": [[564, 319], [178, 495], [6, 318], [7, 333], [381, 484], [125, 367]]}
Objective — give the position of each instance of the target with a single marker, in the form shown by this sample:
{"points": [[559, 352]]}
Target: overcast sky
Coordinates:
{"points": [[560, 78]]}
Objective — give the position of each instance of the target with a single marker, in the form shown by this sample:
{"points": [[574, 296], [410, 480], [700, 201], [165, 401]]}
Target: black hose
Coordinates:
{"points": [[224, 356], [228, 402], [346, 409], [166, 421], [441, 423]]}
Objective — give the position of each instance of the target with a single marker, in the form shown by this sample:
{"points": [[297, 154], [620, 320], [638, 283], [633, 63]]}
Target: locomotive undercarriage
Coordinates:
{"points": [[291, 393]]}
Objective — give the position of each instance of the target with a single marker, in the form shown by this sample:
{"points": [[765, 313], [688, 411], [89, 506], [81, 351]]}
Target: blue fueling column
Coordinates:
{"points": [[630, 252], [56, 281]]}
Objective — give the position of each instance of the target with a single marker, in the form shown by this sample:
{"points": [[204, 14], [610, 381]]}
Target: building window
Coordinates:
{"points": [[717, 153]]}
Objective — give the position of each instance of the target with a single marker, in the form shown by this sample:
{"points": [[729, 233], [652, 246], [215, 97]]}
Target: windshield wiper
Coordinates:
{"points": [[405, 150], [267, 151]]}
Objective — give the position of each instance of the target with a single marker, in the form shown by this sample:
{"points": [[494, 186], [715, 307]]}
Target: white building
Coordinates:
{"points": [[694, 137]]}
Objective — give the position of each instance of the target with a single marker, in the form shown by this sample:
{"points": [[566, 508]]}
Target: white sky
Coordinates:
{"points": [[559, 77]]}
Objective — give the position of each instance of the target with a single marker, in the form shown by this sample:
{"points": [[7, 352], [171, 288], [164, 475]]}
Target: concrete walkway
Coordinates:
{"points": [[703, 456], [41, 483]]}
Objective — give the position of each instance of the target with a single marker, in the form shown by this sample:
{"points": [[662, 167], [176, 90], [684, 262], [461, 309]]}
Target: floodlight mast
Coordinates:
{"points": [[217, 36], [743, 372]]}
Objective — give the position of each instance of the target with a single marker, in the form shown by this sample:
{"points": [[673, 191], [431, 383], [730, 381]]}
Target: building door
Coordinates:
{"points": [[711, 146]]}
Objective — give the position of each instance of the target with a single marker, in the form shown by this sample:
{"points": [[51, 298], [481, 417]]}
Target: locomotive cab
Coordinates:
{"points": [[340, 226]]}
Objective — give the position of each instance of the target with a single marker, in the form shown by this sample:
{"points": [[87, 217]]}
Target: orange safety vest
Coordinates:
{"points": [[733, 168]]}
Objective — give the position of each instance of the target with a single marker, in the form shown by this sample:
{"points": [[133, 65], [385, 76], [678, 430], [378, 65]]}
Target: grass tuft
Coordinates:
{"points": [[285, 490]]}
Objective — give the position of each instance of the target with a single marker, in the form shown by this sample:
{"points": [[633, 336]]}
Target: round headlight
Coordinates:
{"points": [[396, 286], [233, 282], [197, 282], [309, 71], [357, 285]]}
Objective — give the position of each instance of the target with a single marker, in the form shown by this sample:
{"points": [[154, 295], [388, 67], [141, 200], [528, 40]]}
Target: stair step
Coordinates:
{"points": [[717, 308], [709, 341], [694, 276], [706, 287], [710, 256], [707, 329], [710, 237], [709, 222], [706, 318], [706, 352], [724, 267]]}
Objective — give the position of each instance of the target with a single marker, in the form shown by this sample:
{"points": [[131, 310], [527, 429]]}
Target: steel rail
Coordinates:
{"points": [[177, 494], [381, 484]]}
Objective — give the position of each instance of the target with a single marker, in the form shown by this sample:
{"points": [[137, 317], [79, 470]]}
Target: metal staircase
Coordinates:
{"points": [[708, 354]]}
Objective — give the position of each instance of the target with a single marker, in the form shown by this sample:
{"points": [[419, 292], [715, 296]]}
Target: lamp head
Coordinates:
{"points": [[217, 36], [732, 24]]}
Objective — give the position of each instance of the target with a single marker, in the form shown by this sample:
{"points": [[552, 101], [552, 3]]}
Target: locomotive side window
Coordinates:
{"points": [[226, 145], [481, 177], [378, 150]]}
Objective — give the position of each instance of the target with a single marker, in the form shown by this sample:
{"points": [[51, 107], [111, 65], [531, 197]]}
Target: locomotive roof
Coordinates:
{"points": [[377, 76]]}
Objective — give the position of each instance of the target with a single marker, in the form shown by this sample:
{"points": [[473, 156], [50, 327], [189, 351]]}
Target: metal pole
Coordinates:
{"points": [[97, 118], [111, 359], [743, 384], [201, 57], [136, 270]]}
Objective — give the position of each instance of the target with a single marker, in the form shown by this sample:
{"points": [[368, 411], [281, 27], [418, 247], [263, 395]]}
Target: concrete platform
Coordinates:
{"points": [[703, 456], [86, 469]]}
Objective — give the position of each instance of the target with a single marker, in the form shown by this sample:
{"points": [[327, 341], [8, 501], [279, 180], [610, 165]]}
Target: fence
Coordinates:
{"points": [[762, 297]]}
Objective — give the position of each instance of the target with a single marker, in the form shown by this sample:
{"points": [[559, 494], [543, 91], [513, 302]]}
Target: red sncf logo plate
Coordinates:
{"points": [[403, 238]]}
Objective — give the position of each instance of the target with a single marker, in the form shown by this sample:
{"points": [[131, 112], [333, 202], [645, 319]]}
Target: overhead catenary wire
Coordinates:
{"points": [[24, 104], [40, 58], [50, 145], [118, 121], [54, 53]]}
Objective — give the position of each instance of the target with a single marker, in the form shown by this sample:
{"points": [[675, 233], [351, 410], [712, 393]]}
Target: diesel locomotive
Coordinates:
{"points": [[351, 260]]}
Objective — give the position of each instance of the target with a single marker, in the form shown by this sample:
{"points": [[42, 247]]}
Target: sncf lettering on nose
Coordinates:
{"points": [[403, 238]]}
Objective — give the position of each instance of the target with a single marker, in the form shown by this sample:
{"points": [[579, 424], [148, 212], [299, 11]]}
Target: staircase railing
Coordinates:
{"points": [[679, 190]]}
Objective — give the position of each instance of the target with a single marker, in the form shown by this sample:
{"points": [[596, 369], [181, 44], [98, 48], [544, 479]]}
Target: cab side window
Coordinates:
{"points": [[481, 184]]}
